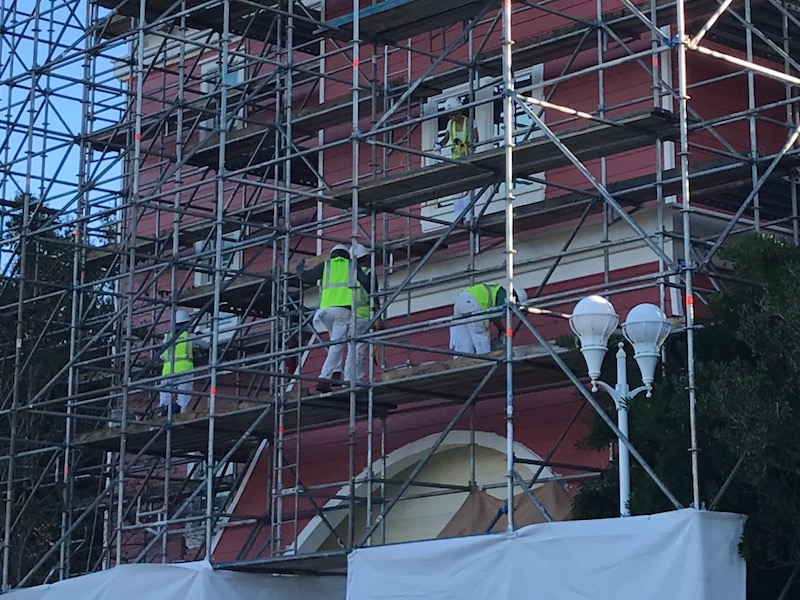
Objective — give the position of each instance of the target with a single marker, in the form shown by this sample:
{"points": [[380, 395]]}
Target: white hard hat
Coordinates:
{"points": [[452, 104], [522, 297], [360, 250], [341, 247], [181, 316]]}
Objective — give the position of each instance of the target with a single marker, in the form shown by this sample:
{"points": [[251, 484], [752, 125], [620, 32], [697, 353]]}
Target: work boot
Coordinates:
{"points": [[176, 410], [323, 387]]}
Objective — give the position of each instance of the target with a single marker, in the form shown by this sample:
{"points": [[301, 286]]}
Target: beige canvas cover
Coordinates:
{"points": [[480, 508]]}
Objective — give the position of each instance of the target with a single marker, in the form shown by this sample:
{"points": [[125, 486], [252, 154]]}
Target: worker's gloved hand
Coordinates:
{"points": [[437, 146], [202, 339], [499, 343]]}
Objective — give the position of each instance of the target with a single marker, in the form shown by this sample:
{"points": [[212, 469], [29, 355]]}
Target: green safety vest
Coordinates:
{"points": [[459, 140], [334, 290], [485, 294], [362, 301], [178, 357]]}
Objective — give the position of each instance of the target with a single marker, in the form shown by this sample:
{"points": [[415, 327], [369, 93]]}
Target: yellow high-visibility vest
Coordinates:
{"points": [[458, 138], [485, 294], [362, 301], [333, 289], [178, 358]]}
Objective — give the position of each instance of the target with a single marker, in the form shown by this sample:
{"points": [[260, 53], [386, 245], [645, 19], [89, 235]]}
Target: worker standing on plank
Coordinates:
{"points": [[474, 337], [177, 360], [457, 134], [335, 311]]}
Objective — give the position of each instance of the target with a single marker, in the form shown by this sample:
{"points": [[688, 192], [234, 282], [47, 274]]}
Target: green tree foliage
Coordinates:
{"points": [[38, 270], [748, 377]]}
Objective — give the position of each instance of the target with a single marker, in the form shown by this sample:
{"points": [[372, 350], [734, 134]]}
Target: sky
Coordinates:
{"points": [[43, 101]]}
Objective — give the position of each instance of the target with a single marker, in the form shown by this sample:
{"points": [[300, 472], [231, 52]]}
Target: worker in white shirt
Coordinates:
{"points": [[474, 337], [335, 311]]}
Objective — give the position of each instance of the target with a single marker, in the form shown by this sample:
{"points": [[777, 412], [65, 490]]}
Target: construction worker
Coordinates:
{"points": [[456, 135], [474, 337], [178, 360], [334, 314]]}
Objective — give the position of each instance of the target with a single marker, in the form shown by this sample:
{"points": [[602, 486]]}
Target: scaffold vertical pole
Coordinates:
{"points": [[16, 386], [508, 122], [688, 269], [351, 350], [219, 224], [751, 119], [135, 165], [277, 499], [79, 230]]}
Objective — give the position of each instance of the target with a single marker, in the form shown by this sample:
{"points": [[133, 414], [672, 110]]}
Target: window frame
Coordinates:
{"points": [[489, 132], [210, 83], [228, 321]]}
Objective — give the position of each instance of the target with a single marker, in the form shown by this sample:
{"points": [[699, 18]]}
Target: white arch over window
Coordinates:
{"points": [[316, 531]]}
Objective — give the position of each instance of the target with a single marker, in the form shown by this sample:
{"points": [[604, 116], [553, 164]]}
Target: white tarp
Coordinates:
{"points": [[195, 581], [680, 555]]}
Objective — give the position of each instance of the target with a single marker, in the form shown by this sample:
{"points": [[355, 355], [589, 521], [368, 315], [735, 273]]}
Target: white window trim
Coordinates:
{"points": [[194, 532], [228, 322], [209, 85], [317, 530]]}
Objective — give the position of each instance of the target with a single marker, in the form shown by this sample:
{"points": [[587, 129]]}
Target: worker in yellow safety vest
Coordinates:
{"points": [[474, 337], [177, 360], [457, 134], [335, 311]]}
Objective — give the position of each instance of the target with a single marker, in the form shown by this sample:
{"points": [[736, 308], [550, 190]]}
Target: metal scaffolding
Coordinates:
{"points": [[188, 154]]}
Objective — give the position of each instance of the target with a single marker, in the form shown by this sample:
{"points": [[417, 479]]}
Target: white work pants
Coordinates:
{"points": [[473, 337], [336, 320], [180, 385]]}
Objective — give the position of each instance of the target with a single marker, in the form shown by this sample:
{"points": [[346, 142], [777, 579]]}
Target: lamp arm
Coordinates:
{"points": [[640, 389], [612, 391]]}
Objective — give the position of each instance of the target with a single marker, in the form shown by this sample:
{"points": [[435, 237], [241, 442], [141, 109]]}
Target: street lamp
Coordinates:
{"points": [[594, 320]]}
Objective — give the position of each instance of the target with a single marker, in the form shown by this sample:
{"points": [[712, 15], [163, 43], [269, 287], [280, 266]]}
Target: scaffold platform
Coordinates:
{"points": [[448, 380], [486, 168]]}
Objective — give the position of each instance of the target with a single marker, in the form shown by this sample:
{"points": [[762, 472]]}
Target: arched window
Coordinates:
{"points": [[428, 511]]}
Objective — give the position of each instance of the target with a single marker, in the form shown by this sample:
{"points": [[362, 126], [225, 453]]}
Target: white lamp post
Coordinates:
{"points": [[593, 321]]}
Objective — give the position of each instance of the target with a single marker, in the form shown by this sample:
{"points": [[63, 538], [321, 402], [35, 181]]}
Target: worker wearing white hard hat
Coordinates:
{"points": [[177, 360], [474, 337], [457, 136], [335, 313]]}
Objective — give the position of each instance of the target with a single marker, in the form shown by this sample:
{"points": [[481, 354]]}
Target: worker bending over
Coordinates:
{"points": [[474, 337], [335, 311]]}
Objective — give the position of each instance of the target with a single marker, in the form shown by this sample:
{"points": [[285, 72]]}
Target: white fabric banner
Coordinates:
{"points": [[680, 555], [195, 581]]}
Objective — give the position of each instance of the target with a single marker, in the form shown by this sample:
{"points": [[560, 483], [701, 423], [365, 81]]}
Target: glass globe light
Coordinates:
{"points": [[594, 320], [646, 328]]}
